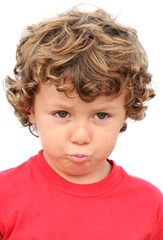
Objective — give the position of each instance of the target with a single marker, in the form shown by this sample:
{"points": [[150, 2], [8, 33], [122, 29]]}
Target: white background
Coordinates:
{"points": [[140, 149]]}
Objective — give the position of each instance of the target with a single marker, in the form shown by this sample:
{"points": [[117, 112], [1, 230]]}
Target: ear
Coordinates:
{"points": [[124, 125], [32, 118]]}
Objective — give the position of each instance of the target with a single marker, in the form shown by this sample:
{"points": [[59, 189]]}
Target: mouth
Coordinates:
{"points": [[78, 158]]}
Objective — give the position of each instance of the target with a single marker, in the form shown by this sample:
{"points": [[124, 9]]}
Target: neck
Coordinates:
{"points": [[96, 175]]}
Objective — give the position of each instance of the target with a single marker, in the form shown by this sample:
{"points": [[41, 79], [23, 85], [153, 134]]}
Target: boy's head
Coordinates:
{"points": [[83, 51]]}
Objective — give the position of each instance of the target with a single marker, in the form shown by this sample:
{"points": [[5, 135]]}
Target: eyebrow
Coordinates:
{"points": [[59, 105], [106, 109], [70, 107]]}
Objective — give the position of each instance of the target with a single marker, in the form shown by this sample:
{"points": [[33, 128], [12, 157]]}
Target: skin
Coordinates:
{"points": [[77, 137]]}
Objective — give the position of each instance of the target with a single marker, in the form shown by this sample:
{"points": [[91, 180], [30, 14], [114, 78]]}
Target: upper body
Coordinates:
{"points": [[36, 203], [78, 78]]}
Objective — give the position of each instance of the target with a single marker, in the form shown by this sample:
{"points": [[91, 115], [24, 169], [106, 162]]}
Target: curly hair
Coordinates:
{"points": [[84, 51]]}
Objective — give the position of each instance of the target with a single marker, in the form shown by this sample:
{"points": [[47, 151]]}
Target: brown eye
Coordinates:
{"points": [[62, 114], [101, 115]]}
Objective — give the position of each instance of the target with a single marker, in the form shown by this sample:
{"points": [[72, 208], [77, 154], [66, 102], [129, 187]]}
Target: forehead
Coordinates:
{"points": [[49, 95]]}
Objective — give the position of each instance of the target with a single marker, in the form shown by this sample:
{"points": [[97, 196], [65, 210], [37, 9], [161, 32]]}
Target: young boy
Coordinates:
{"points": [[78, 78]]}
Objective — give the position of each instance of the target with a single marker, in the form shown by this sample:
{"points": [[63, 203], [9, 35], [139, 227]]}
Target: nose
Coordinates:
{"points": [[81, 133]]}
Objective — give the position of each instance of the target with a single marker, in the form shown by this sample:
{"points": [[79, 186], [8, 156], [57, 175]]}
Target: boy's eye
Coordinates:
{"points": [[62, 114], [101, 115]]}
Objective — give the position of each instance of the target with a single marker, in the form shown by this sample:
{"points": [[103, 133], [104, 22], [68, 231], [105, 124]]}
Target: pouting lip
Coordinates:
{"points": [[78, 155], [78, 158]]}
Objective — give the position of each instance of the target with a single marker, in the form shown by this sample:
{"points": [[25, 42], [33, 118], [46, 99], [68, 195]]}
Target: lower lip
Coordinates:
{"points": [[78, 160]]}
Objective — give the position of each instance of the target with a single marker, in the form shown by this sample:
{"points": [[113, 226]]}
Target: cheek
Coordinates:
{"points": [[51, 139], [107, 141]]}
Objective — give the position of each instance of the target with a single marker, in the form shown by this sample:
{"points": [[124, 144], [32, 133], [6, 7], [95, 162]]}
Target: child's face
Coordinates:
{"points": [[76, 136]]}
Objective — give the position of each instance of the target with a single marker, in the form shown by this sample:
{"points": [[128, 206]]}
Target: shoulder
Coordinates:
{"points": [[12, 172], [141, 189], [14, 177], [145, 200]]}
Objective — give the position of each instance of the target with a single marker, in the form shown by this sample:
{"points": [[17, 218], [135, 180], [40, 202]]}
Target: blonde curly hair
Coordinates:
{"points": [[97, 55]]}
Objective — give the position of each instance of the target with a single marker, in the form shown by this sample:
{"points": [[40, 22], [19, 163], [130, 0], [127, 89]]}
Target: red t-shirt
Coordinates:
{"points": [[37, 204]]}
